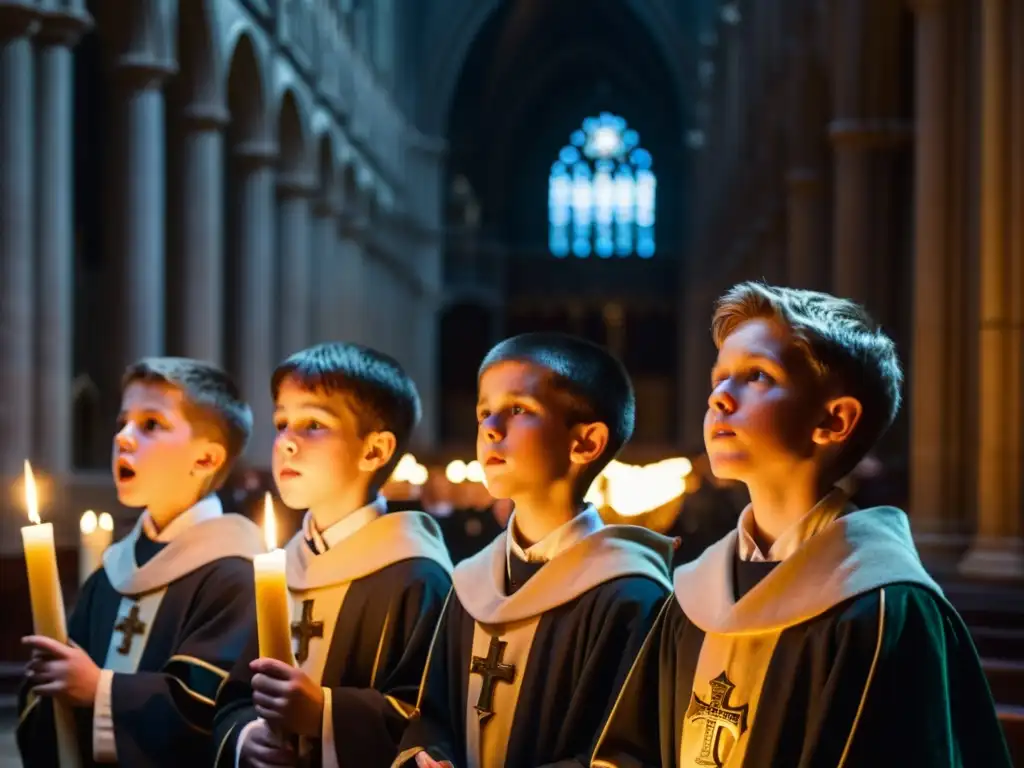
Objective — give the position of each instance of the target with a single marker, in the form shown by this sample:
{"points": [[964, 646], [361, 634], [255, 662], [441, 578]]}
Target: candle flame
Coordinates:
{"points": [[269, 523], [88, 522], [106, 522], [31, 497]]}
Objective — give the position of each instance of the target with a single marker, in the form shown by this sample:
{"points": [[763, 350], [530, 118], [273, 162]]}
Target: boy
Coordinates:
{"points": [[155, 630], [367, 587], [811, 635], [543, 623]]}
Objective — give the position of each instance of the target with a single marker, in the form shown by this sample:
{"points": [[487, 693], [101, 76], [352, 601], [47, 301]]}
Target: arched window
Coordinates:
{"points": [[601, 193]]}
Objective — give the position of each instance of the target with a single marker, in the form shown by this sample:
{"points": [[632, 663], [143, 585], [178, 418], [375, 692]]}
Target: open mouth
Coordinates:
{"points": [[124, 472], [493, 461]]}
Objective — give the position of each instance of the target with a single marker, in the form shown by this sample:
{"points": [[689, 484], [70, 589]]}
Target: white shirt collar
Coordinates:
{"points": [[821, 514], [341, 530], [203, 510], [566, 535]]}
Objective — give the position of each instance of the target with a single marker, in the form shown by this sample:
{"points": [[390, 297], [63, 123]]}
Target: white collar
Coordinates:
{"points": [[205, 509], [564, 536], [341, 530], [820, 515]]}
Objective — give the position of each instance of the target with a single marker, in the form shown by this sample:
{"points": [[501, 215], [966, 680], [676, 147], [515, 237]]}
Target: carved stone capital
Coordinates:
{"points": [[63, 27]]}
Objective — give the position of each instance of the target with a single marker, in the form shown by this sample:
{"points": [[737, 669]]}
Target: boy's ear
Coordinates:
{"points": [[378, 448], [588, 442], [842, 414], [213, 457]]}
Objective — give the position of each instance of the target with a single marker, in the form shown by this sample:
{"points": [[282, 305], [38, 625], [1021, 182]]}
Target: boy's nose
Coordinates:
{"points": [[721, 401]]}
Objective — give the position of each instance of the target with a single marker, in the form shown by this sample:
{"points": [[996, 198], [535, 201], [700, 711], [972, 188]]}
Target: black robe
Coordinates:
{"points": [[374, 600], [844, 654], [528, 678], [193, 601]]}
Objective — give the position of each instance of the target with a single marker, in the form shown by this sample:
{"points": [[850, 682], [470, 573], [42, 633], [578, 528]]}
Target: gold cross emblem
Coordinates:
{"points": [[718, 716]]}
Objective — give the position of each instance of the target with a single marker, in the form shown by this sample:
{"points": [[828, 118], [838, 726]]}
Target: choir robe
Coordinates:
{"points": [[169, 630], [364, 613], [527, 676], [845, 653]]}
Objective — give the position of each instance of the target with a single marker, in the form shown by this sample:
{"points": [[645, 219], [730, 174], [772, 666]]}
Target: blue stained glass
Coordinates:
{"points": [[602, 192]]}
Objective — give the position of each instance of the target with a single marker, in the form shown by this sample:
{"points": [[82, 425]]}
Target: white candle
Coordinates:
{"points": [[48, 618], [97, 533], [273, 614]]}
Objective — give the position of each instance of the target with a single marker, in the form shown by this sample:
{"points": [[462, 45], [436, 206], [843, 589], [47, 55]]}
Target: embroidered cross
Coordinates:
{"points": [[718, 716], [129, 627], [492, 671], [305, 630]]}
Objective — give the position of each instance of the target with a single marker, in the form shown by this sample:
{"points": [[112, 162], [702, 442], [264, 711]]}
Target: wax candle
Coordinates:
{"points": [[273, 615], [97, 533], [47, 602]]}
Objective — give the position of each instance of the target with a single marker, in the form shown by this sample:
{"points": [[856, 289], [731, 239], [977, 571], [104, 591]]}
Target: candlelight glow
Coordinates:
{"points": [[31, 496], [474, 472], [456, 471], [269, 523], [106, 521], [88, 523]]}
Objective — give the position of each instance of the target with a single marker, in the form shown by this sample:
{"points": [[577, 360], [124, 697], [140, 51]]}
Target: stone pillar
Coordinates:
{"points": [[324, 261], [805, 259], [852, 264], [137, 208], [254, 239], [997, 550], [199, 306], [931, 468], [350, 289], [55, 239], [293, 259], [17, 177]]}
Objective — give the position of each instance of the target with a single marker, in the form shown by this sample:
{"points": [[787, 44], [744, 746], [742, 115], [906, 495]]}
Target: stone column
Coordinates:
{"points": [[931, 468], [852, 267], [137, 208], [997, 550], [17, 176], [201, 232], [257, 321], [350, 288], [55, 238], [324, 257], [293, 261], [805, 259]]}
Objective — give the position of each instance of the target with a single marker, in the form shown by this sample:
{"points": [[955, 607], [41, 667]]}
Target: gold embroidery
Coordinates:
{"points": [[718, 715]]}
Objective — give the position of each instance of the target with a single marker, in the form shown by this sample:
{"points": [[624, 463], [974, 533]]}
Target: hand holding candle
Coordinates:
{"points": [[273, 615]]}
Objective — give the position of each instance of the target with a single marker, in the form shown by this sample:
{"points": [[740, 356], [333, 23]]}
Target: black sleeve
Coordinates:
{"points": [[621, 624], [431, 727], [369, 722], [926, 701], [634, 735], [36, 733], [165, 718], [234, 708]]}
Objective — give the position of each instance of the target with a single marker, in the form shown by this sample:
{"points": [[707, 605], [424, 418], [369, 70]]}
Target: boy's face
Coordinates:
{"points": [[764, 405], [159, 461], [318, 448], [523, 438]]}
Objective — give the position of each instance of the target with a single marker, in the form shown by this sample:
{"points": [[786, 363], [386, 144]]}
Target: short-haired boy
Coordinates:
{"points": [[367, 586], [543, 623], [155, 630], [811, 635]]}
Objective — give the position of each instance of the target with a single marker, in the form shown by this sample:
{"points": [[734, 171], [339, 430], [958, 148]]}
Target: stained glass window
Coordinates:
{"points": [[601, 193]]}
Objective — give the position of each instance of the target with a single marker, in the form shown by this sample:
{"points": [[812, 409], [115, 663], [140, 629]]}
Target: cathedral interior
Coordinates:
{"points": [[233, 180]]}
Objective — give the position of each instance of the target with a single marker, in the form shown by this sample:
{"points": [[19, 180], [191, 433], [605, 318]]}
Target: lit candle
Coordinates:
{"points": [[97, 532], [47, 600], [273, 616]]}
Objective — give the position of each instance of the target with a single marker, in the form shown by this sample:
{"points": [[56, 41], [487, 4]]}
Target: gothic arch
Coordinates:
{"points": [[247, 91], [454, 25], [293, 137], [199, 80]]}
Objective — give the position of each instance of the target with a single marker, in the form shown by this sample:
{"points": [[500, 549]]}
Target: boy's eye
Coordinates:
{"points": [[150, 425], [516, 410], [481, 415], [760, 376], [314, 426], [280, 426]]}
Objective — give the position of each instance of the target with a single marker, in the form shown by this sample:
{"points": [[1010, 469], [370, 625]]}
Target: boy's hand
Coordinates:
{"points": [[62, 671], [262, 748], [423, 760], [286, 698]]}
